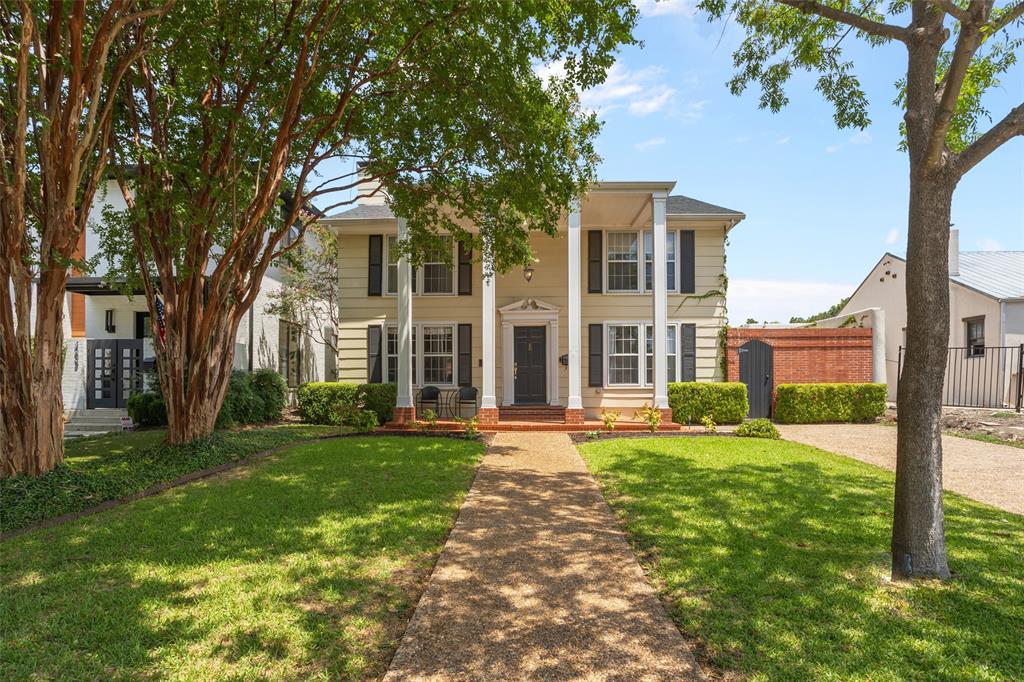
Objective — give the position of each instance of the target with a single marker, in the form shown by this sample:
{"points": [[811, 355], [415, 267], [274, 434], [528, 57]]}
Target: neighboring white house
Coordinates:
{"points": [[108, 335], [986, 322], [595, 324]]}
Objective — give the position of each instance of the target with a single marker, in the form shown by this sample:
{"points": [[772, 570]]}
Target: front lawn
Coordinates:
{"points": [[112, 466], [773, 556], [303, 566]]}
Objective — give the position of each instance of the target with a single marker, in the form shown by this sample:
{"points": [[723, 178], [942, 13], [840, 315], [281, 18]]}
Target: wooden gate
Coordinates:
{"points": [[756, 372]]}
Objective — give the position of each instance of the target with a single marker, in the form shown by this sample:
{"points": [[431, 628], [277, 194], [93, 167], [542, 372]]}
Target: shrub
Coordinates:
{"points": [[470, 427], [723, 402], [758, 428], [327, 402], [609, 419], [650, 416], [147, 409], [817, 403], [429, 420], [241, 403], [272, 391], [362, 420], [379, 398], [709, 424]]}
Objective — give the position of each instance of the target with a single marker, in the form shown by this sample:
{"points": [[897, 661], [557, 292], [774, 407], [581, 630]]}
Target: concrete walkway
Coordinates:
{"points": [[989, 473], [538, 582]]}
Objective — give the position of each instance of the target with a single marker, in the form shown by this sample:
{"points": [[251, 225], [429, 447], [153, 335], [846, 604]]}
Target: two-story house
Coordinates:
{"points": [[108, 337], [628, 297]]}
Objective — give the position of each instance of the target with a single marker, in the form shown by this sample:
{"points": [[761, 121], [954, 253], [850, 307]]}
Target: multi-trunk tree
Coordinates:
{"points": [[60, 66], [244, 115], [956, 51]]}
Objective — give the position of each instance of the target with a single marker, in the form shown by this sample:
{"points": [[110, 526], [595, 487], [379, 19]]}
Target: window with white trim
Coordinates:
{"points": [[623, 262], [438, 276], [670, 258], [623, 355], [671, 356], [434, 363]]}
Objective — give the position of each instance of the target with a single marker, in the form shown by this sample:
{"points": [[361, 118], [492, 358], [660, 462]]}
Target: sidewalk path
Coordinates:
{"points": [[987, 472], [537, 581]]}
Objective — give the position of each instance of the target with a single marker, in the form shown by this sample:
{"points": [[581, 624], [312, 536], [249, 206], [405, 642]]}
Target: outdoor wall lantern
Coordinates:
{"points": [[528, 273]]}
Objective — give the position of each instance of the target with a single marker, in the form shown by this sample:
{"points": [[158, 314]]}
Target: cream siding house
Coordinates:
{"points": [[986, 314], [577, 335]]}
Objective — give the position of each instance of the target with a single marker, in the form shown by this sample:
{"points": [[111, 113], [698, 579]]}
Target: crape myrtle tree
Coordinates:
{"points": [[956, 52], [60, 65], [241, 104]]}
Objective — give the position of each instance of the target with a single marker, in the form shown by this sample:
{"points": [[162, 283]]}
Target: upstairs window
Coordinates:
{"points": [[670, 258], [623, 262], [975, 337], [437, 271]]}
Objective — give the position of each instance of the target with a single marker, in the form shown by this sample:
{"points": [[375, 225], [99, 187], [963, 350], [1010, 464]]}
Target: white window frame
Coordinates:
{"points": [[672, 359], [418, 353], [641, 262], [417, 273], [642, 331], [672, 235], [641, 351]]}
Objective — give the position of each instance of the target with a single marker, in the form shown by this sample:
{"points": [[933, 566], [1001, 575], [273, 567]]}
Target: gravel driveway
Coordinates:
{"points": [[989, 473]]}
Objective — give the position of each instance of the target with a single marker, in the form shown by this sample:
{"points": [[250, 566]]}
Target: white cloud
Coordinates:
{"points": [[892, 237], [654, 99], [693, 111], [779, 300], [860, 137], [640, 91], [989, 244], [655, 8], [783, 140], [649, 144]]}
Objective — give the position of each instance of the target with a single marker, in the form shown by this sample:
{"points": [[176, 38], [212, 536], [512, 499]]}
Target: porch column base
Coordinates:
{"points": [[666, 415], [487, 415], [403, 416], [574, 415]]}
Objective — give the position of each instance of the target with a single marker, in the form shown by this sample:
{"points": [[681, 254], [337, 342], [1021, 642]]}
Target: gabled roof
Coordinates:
{"points": [[999, 274], [678, 205]]}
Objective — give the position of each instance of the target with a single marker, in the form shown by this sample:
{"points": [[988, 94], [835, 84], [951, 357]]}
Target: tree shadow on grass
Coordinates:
{"points": [[777, 563], [304, 566]]}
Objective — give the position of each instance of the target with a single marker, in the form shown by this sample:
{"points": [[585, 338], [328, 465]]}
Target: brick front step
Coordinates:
{"points": [[532, 413], [449, 427]]}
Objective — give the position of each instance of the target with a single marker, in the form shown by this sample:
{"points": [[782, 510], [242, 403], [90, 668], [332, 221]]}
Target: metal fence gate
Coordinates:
{"points": [[992, 376], [756, 372]]}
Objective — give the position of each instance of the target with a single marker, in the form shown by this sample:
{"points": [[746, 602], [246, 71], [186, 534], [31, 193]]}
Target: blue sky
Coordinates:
{"points": [[822, 204]]}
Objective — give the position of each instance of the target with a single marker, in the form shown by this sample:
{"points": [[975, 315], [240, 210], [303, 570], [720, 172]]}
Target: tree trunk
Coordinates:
{"points": [[918, 532]]}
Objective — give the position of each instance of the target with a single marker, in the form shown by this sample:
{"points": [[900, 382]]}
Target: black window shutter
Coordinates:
{"points": [[596, 355], [373, 360], [465, 355], [376, 265], [465, 270], [689, 352], [687, 262], [594, 256]]}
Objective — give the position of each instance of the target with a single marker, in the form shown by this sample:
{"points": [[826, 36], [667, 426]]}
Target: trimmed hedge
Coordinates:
{"points": [[147, 409], [820, 403], [256, 398], [321, 402], [724, 401], [380, 399]]}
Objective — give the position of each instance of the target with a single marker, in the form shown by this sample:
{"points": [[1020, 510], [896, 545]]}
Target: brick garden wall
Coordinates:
{"points": [[807, 355]]}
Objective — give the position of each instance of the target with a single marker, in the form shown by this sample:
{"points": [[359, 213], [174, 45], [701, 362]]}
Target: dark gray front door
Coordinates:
{"points": [[115, 372], [756, 373], [531, 371]]}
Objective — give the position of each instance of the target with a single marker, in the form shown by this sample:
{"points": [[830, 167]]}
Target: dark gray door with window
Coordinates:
{"points": [[756, 373], [115, 372], [531, 370]]}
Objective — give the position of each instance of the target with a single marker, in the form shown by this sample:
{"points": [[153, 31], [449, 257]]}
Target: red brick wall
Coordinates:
{"points": [[807, 355]]}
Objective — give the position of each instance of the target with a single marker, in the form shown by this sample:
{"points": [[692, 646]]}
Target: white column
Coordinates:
{"points": [[487, 397], [660, 300], [878, 370], [575, 401], [404, 324]]}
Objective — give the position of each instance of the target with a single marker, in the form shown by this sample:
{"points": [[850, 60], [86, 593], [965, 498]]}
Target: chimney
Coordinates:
{"points": [[954, 253], [366, 186]]}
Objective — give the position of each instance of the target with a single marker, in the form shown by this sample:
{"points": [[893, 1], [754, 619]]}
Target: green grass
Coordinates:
{"points": [[112, 466], [988, 438], [773, 556], [304, 566]]}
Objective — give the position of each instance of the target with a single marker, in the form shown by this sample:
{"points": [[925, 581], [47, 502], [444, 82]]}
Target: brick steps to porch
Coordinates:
{"points": [[451, 426], [532, 413]]}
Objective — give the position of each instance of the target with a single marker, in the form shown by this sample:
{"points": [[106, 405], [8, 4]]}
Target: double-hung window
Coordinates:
{"points": [[975, 337], [670, 353], [623, 262], [433, 363], [437, 271], [670, 258], [623, 355]]}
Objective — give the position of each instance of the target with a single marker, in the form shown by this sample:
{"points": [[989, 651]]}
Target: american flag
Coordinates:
{"points": [[158, 303]]}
